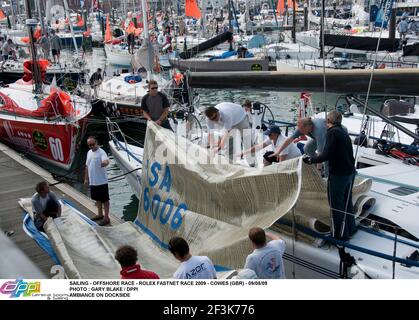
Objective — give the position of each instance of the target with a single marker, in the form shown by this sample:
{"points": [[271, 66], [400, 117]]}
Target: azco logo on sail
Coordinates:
{"points": [[165, 209]]}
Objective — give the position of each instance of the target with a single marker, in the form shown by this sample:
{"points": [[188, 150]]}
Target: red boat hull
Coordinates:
{"points": [[53, 142]]}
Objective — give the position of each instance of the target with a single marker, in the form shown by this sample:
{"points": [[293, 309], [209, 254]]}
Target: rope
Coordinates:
{"points": [[323, 60], [347, 261], [122, 175], [370, 83], [394, 253], [294, 236]]}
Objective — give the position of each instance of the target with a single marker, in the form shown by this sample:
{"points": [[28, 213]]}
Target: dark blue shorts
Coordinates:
{"points": [[99, 193]]}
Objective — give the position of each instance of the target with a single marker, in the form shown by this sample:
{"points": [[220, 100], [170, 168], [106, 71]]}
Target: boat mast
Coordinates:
{"points": [[230, 26], [146, 39], [30, 23], [41, 18], [12, 19], [204, 18], [294, 22], [67, 11]]}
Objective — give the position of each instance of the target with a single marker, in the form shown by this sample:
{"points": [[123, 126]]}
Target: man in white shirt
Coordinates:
{"points": [[266, 259], [226, 116], [191, 267], [95, 176], [275, 139]]}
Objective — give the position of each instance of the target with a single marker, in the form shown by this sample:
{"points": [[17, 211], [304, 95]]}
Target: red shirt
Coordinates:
{"points": [[135, 272]]}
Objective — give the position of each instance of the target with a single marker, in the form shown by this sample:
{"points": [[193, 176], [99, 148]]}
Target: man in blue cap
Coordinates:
{"points": [[275, 139]]}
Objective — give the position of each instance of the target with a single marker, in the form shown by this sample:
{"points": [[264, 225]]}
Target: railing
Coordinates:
{"points": [[113, 130]]}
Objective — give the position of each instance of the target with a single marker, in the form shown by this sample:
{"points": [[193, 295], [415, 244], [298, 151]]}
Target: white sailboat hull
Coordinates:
{"points": [[120, 58]]}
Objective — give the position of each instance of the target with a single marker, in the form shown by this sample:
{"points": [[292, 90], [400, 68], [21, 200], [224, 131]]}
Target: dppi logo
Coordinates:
{"points": [[20, 287]]}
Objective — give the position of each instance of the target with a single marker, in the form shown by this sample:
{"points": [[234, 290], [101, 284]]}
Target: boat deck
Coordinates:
{"points": [[18, 177]]}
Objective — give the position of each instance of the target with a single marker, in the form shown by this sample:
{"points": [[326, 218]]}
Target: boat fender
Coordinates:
{"points": [[167, 46], [361, 140], [161, 39]]}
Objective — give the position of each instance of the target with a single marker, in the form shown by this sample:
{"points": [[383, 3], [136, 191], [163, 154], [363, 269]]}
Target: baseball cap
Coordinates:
{"points": [[273, 129]]}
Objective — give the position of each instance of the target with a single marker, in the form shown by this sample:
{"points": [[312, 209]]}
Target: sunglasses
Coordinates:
{"points": [[91, 144]]}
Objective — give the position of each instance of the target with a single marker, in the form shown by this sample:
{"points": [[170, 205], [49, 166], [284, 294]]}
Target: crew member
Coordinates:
{"points": [[338, 151]]}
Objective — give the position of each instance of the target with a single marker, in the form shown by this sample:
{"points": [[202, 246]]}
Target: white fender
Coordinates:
{"points": [[161, 39]]}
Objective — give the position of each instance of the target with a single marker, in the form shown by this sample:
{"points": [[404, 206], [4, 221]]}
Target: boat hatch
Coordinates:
{"points": [[403, 191]]}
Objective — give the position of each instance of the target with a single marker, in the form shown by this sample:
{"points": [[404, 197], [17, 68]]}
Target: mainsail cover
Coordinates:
{"points": [[361, 43], [223, 37]]}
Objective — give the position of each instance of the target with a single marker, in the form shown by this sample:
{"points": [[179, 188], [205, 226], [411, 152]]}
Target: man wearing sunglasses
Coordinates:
{"points": [[95, 176], [226, 116], [155, 105]]}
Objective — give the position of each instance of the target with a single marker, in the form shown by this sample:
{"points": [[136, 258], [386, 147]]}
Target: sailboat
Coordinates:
{"points": [[197, 59], [42, 121], [13, 70], [116, 50], [122, 93]]}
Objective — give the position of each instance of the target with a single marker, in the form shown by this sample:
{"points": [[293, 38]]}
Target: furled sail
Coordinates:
{"points": [[192, 9]]}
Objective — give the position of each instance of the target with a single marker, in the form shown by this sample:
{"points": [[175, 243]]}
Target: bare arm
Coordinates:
{"points": [[86, 176], [223, 140], [255, 147], [163, 117], [43, 217], [104, 163], [286, 143], [146, 115]]}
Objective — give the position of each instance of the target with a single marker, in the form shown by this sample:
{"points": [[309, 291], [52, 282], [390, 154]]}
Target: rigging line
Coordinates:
{"points": [[365, 218], [123, 175], [323, 59], [394, 253], [370, 81]]}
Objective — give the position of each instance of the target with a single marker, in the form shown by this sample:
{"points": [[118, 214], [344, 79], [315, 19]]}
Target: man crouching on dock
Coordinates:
{"points": [[95, 176]]}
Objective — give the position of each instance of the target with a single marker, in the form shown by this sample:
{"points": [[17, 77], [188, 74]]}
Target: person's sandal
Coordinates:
{"points": [[104, 223], [9, 233], [96, 218]]}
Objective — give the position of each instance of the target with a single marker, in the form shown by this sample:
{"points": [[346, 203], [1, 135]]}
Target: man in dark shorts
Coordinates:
{"points": [[95, 176], [155, 106], [55, 47], [131, 42]]}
